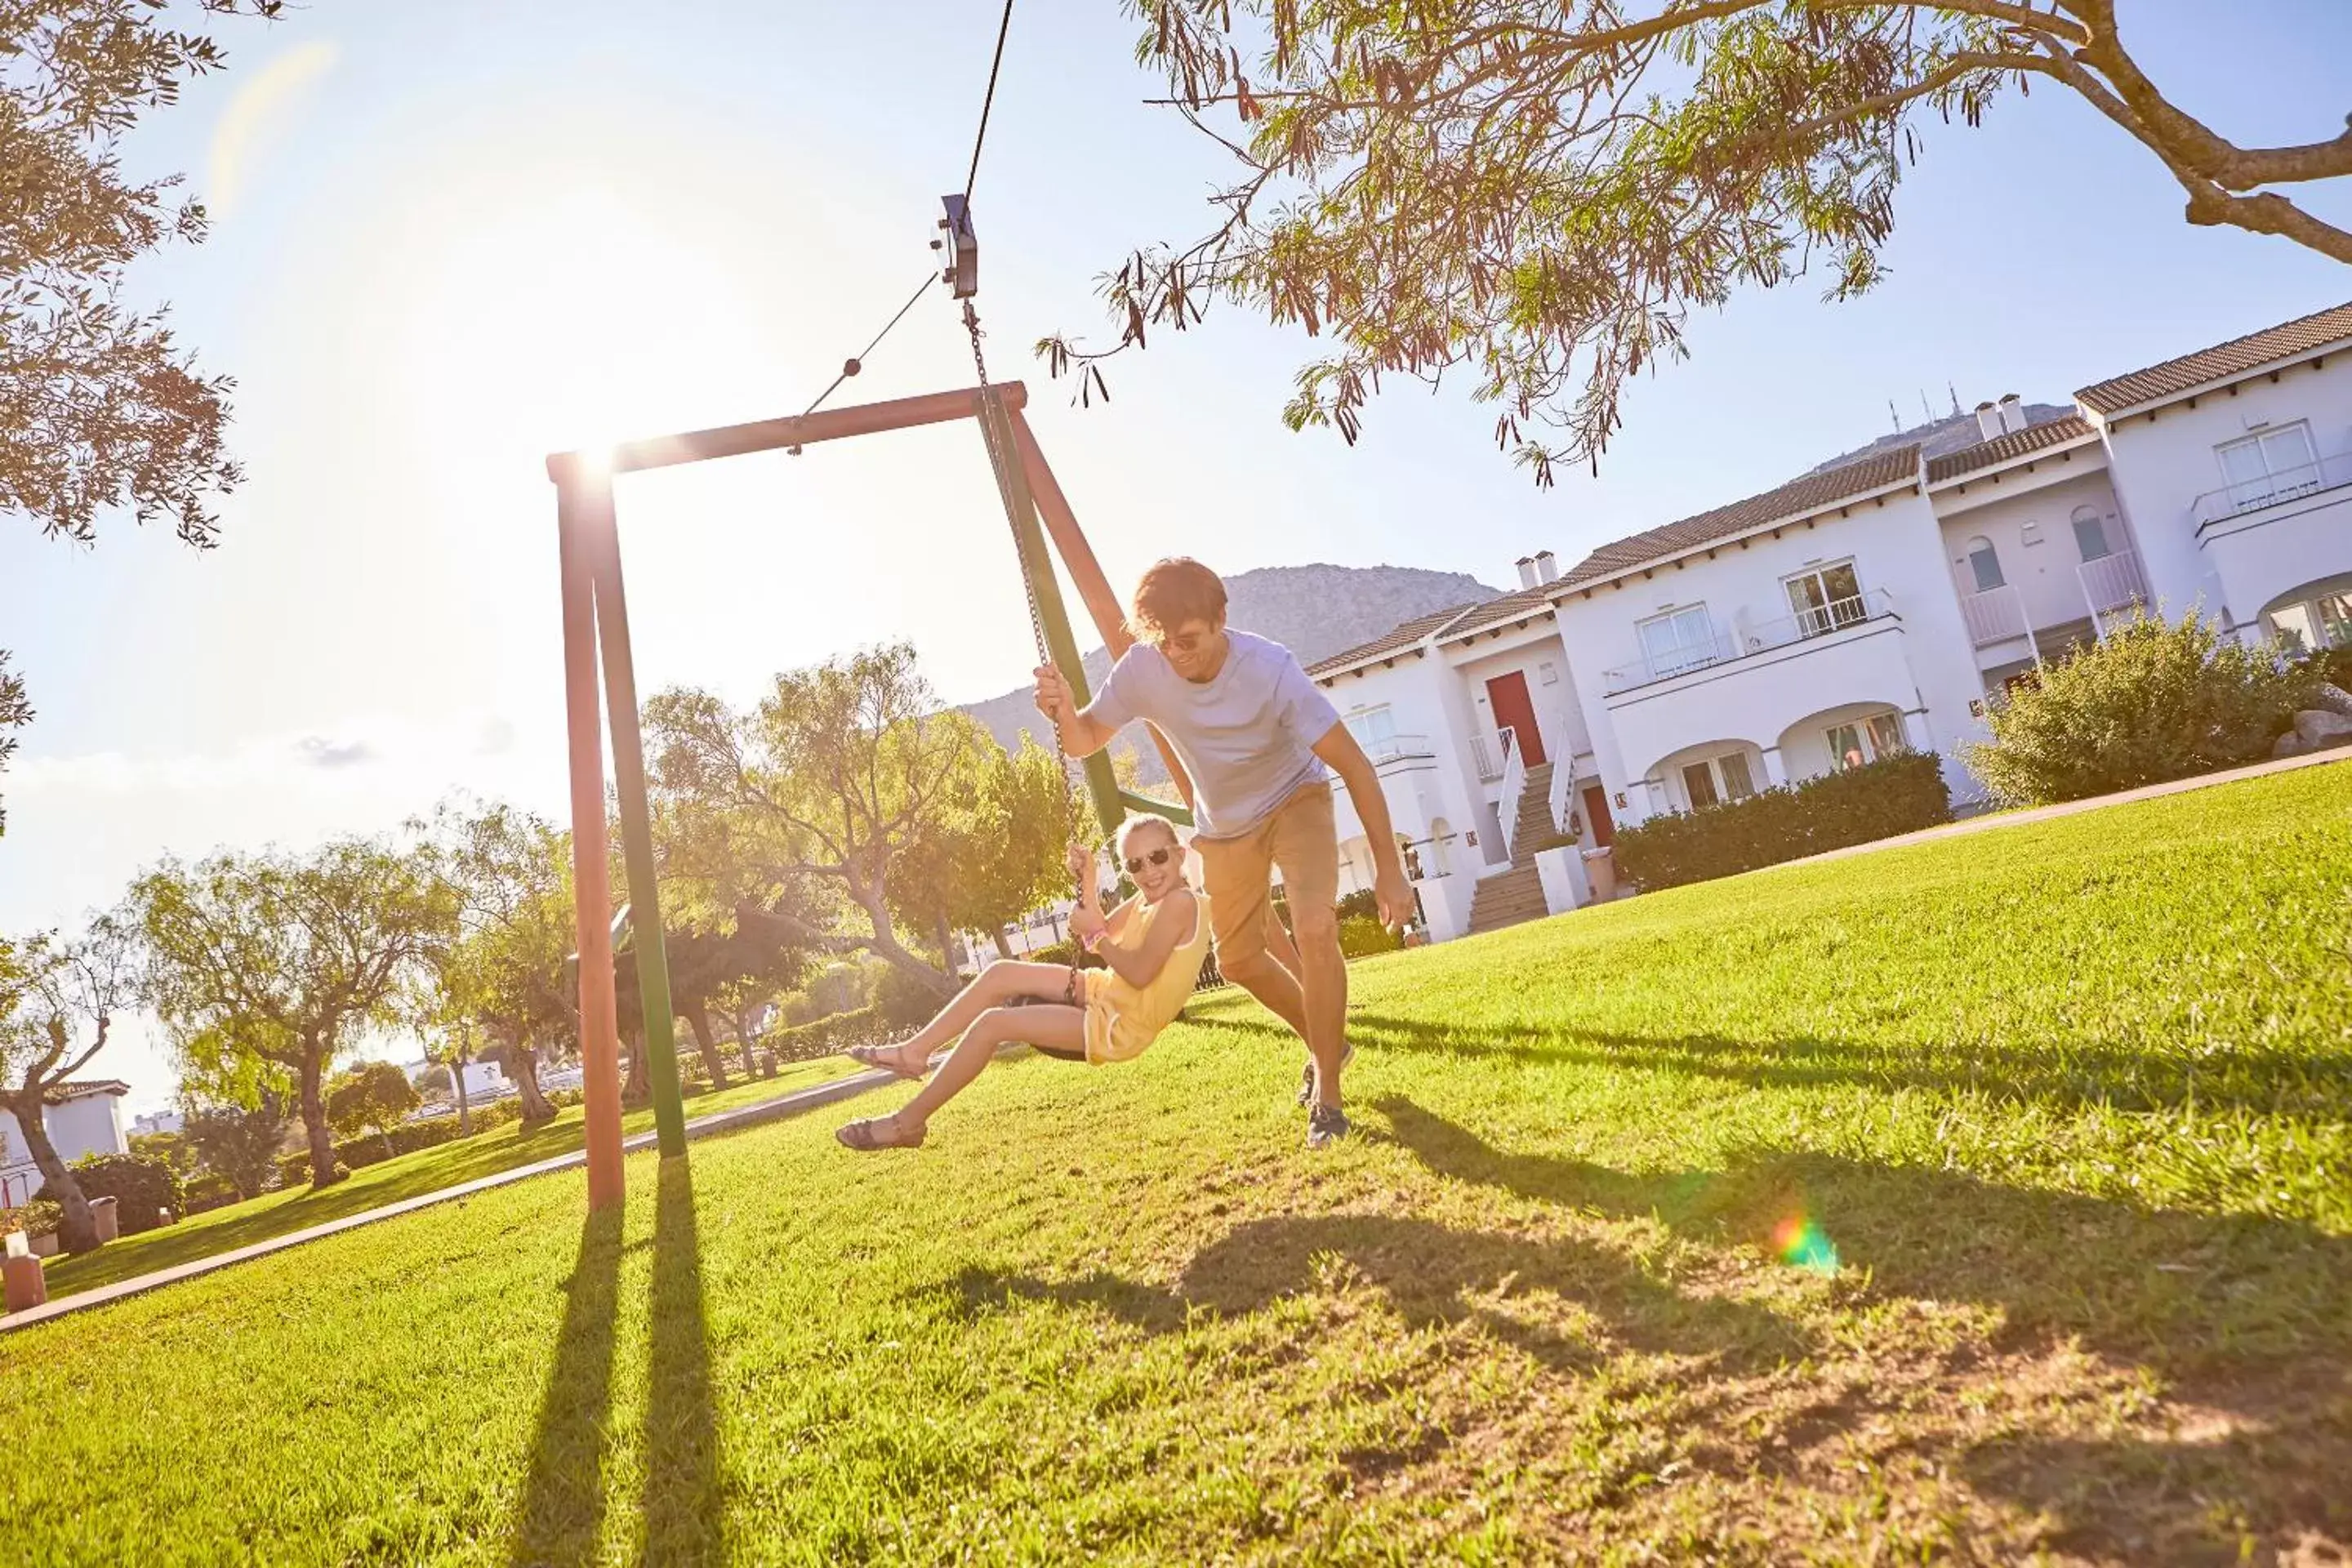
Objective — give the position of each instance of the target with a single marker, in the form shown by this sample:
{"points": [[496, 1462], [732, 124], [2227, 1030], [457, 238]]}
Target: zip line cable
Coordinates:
{"points": [[851, 367], [1003, 26]]}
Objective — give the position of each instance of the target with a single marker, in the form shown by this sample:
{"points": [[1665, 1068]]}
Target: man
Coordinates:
{"points": [[1261, 743]]}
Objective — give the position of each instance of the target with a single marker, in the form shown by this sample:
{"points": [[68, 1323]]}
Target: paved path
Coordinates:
{"points": [[2044, 813], [717, 1121]]}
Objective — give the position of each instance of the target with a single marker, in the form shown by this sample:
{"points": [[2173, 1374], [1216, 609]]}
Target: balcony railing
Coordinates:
{"points": [[2287, 484], [1755, 637], [1491, 752], [1995, 615], [1390, 748], [2112, 582]]}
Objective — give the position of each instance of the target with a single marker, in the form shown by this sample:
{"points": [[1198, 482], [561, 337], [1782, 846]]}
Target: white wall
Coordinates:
{"points": [[2160, 467], [1421, 791], [2028, 518], [1558, 716], [92, 1124]]}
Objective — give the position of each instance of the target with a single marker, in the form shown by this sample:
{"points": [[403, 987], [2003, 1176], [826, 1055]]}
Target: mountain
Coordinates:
{"points": [[1938, 437], [1315, 611]]}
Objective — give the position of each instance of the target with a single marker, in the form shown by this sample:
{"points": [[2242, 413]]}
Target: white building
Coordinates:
{"points": [[156, 1121], [84, 1118], [1864, 609]]}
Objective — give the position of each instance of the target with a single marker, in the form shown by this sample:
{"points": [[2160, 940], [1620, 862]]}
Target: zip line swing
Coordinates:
{"points": [[596, 636]]}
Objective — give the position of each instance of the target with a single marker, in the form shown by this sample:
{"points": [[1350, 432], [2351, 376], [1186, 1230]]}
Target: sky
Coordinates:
{"points": [[450, 236]]}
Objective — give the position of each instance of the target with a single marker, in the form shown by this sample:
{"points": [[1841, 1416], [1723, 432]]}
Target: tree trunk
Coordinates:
{"points": [[946, 939], [1003, 943], [696, 1014], [77, 1230], [886, 947], [524, 1061], [637, 1087], [464, 1113], [743, 1039], [314, 1120]]}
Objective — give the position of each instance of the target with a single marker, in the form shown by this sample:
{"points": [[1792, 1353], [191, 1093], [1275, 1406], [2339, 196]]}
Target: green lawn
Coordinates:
{"points": [[371, 1186], [1988, 1200]]}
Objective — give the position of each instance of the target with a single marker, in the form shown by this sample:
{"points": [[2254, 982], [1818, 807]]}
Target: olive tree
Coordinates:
{"points": [[275, 960], [57, 1006]]}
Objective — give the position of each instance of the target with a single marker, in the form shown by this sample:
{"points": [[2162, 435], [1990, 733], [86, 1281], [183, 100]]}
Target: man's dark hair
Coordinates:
{"points": [[1174, 591]]}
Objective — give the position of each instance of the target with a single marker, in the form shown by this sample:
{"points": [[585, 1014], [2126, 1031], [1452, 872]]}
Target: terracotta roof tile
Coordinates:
{"points": [[1512, 607], [2002, 449], [1794, 499], [2178, 377], [1396, 641], [77, 1087]]}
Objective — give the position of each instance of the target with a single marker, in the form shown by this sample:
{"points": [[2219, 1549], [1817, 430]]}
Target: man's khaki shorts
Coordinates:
{"points": [[1237, 874]]}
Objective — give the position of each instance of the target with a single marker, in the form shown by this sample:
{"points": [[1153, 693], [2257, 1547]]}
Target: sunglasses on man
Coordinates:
{"points": [[1159, 856]]}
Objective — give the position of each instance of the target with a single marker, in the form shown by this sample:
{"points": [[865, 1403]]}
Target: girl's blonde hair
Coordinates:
{"points": [[1136, 823]]}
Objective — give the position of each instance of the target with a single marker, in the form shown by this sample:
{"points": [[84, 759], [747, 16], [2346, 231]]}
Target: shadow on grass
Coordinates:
{"points": [[2066, 1076], [1433, 1275], [2239, 1316], [683, 1515], [562, 1509]]}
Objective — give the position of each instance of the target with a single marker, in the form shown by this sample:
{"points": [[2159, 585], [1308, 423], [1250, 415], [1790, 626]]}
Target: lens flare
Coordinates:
{"points": [[1801, 1242]]}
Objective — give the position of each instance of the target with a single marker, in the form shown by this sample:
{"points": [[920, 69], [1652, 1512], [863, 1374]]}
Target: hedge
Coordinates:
{"points": [[368, 1148], [1361, 936], [1879, 800], [139, 1184], [828, 1036]]}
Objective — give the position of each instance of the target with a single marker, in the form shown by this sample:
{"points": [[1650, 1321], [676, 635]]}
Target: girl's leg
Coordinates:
{"points": [[1054, 1024], [996, 985]]}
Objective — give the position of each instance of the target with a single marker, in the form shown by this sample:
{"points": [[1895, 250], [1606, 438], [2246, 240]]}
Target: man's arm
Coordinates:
{"points": [[1081, 732], [1391, 891]]}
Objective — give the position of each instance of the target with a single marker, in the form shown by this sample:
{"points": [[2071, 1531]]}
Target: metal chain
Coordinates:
{"points": [[1071, 988]]}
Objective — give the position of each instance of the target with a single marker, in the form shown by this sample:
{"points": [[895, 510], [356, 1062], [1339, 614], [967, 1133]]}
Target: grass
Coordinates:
{"points": [[1986, 1200], [449, 1164]]}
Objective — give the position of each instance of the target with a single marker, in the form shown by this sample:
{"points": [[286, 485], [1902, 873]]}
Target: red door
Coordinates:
{"points": [[1507, 695], [1596, 812]]}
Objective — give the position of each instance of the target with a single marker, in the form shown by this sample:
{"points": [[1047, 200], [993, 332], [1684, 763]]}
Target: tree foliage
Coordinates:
{"points": [[275, 960], [510, 876], [15, 712], [839, 771], [1536, 193], [103, 407], [996, 851], [374, 1097], [239, 1143]]}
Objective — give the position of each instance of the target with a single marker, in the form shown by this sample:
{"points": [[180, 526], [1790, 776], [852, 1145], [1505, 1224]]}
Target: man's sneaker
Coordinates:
{"points": [[1325, 1125], [1307, 1079]]}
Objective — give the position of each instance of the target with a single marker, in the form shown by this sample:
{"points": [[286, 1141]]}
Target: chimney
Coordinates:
{"points": [[1988, 421], [1527, 570], [1546, 567], [2012, 411]]}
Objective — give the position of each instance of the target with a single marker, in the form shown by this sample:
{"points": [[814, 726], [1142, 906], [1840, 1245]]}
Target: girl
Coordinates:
{"points": [[1154, 944]]}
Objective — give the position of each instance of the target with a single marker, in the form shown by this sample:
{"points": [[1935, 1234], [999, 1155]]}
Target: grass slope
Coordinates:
{"points": [[1978, 1201], [449, 1164]]}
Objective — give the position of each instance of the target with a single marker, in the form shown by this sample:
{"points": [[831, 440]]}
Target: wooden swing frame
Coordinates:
{"points": [[596, 621]]}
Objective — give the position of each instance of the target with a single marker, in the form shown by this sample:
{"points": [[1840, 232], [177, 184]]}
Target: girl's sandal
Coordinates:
{"points": [[887, 1059], [869, 1135]]}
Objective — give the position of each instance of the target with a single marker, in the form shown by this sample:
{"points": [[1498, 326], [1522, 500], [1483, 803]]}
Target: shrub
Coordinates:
{"points": [[2154, 701], [374, 1148], [207, 1192], [1896, 794], [140, 1185], [829, 1035], [1362, 935], [903, 998], [1362, 904], [38, 1217], [2331, 664]]}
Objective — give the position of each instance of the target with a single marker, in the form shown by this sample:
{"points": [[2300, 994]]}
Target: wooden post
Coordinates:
{"points": [[600, 1049], [598, 524], [1087, 573]]}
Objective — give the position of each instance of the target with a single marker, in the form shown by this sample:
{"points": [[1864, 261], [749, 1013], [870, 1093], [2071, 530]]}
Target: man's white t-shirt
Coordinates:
{"points": [[1247, 736]]}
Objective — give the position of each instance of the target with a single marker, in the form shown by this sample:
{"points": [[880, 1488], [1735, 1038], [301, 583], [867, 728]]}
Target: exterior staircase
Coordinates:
{"points": [[1512, 897]]}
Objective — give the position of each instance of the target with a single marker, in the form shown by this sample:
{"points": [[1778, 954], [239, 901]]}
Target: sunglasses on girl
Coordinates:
{"points": [[1157, 858]]}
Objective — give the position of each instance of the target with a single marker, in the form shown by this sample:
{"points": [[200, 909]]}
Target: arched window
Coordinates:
{"points": [[2091, 533], [1985, 562]]}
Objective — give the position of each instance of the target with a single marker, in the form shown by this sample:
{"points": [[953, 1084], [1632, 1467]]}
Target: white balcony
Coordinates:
{"points": [[1492, 754], [2286, 485], [1398, 748], [1750, 639], [2114, 582], [1994, 616]]}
